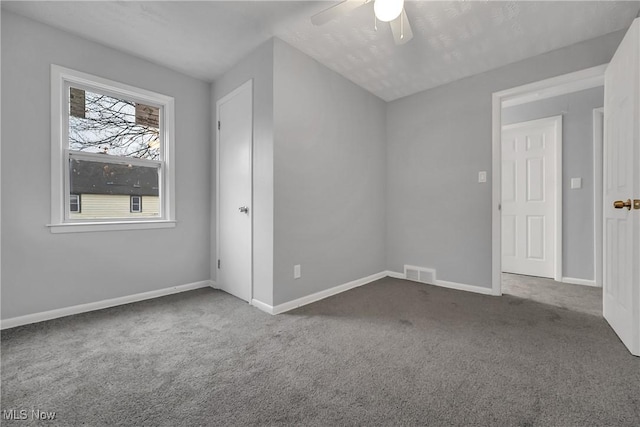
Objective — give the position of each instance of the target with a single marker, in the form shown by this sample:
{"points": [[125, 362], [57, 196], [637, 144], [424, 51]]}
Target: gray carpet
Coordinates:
{"points": [[388, 353], [585, 299]]}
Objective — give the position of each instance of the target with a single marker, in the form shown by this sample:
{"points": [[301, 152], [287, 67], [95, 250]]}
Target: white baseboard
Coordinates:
{"points": [[262, 306], [394, 274], [99, 305], [465, 287], [584, 282], [278, 309], [290, 305], [450, 285]]}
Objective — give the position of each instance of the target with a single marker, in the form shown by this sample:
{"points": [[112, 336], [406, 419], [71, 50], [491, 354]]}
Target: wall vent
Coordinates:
{"points": [[420, 274]]}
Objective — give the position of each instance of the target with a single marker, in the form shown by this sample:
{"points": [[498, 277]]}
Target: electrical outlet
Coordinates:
{"points": [[296, 271], [482, 176]]}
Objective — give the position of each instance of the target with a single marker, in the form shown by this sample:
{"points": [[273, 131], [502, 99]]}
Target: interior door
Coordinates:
{"points": [[621, 278], [530, 157], [235, 135]]}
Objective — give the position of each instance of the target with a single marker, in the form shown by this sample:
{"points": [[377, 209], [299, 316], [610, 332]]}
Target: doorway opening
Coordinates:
{"points": [[573, 254]]}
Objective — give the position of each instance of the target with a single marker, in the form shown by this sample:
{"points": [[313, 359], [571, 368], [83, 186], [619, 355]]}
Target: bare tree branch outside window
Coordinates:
{"points": [[110, 126]]}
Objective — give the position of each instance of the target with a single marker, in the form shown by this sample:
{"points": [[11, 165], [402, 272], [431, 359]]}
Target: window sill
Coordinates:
{"points": [[82, 227]]}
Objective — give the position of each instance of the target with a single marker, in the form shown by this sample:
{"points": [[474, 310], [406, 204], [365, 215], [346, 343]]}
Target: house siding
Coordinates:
{"points": [[94, 206]]}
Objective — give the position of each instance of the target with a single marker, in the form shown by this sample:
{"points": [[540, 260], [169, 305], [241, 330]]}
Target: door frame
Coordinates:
{"points": [[557, 211], [598, 191], [249, 84], [560, 85]]}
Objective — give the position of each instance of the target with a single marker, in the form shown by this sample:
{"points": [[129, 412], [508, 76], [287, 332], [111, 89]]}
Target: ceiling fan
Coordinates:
{"points": [[391, 11]]}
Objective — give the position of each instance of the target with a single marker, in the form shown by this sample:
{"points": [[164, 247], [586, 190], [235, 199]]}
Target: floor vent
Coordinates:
{"points": [[420, 274]]}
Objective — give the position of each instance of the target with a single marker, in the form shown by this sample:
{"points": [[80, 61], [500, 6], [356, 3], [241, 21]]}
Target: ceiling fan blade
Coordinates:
{"points": [[336, 11], [401, 29]]}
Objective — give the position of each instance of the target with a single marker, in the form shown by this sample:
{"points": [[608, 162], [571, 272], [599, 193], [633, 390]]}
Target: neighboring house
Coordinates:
{"points": [[108, 190]]}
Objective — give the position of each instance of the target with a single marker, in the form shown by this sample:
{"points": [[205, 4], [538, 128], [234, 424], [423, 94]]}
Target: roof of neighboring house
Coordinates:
{"points": [[90, 177]]}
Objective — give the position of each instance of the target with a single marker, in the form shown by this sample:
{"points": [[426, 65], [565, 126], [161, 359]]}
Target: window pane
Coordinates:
{"points": [[106, 189], [104, 124], [136, 204], [74, 203]]}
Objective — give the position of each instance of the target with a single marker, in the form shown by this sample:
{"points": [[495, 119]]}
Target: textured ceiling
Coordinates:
{"points": [[452, 39], [201, 39]]}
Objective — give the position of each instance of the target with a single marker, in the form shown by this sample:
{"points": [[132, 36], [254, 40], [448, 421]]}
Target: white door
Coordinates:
{"points": [[235, 134], [621, 246], [531, 159]]}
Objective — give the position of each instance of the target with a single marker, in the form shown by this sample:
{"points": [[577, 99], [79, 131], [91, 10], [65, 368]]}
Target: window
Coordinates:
{"points": [[74, 203], [112, 144], [136, 204]]}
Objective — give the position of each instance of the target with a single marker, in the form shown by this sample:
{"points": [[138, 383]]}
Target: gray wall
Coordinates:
{"points": [[259, 67], [329, 163], [342, 181], [437, 214], [319, 174], [43, 271], [577, 162]]}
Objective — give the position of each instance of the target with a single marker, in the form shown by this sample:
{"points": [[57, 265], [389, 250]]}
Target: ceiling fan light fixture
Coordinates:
{"points": [[388, 10]]}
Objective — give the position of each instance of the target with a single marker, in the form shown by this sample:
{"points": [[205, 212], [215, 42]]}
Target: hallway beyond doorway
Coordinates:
{"points": [[579, 298]]}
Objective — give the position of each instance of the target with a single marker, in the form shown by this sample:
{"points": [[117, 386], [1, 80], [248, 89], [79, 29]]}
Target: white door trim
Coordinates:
{"points": [[557, 238], [559, 82], [598, 205], [249, 84]]}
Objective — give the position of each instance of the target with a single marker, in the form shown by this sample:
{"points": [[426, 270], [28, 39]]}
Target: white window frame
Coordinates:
{"points": [[61, 78]]}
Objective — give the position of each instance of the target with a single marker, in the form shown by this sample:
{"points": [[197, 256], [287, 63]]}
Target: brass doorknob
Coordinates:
{"points": [[619, 204]]}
